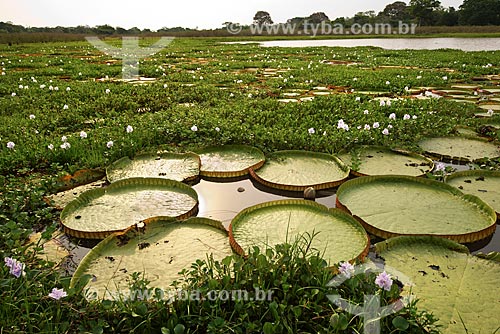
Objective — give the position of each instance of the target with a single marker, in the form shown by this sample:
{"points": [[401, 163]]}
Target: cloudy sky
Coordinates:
{"points": [[155, 14]]}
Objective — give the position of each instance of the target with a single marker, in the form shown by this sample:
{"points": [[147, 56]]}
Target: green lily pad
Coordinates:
{"points": [[494, 107], [97, 213], [459, 289], [338, 236], [459, 149], [299, 170], [173, 166], [159, 250], [481, 183], [390, 206], [379, 160], [230, 161]]}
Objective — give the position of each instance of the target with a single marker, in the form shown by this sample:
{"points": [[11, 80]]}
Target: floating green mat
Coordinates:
{"points": [[230, 161], [173, 166], [461, 290], [379, 160], [337, 235], [97, 213], [159, 250], [459, 149], [390, 206], [299, 170], [481, 183]]}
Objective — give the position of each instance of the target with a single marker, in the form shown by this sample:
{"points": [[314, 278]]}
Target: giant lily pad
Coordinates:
{"points": [[461, 290], [390, 206], [159, 250], [379, 160], [99, 212], [230, 161], [338, 236], [483, 184], [173, 166], [460, 149], [299, 170]]}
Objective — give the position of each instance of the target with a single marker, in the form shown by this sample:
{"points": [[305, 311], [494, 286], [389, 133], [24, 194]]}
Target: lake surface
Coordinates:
{"points": [[464, 44]]}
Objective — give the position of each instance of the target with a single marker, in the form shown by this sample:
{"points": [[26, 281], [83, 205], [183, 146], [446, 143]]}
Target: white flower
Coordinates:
{"points": [[367, 127], [32, 116], [65, 145], [358, 99], [445, 78], [311, 131], [109, 144], [354, 79], [50, 147], [194, 128], [250, 96], [388, 103], [385, 132], [65, 107], [217, 129], [129, 129], [13, 94], [407, 88], [83, 134], [419, 77], [56, 88], [231, 95], [21, 87], [415, 117], [387, 82], [51, 88], [42, 86], [376, 125], [406, 117], [108, 91], [64, 139], [392, 116], [366, 112], [490, 112], [389, 126], [10, 145], [68, 89]]}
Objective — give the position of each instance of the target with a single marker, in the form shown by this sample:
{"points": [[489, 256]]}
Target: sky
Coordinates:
{"points": [[155, 14]]}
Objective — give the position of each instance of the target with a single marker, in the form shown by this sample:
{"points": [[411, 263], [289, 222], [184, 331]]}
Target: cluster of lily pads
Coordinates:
{"points": [[145, 214]]}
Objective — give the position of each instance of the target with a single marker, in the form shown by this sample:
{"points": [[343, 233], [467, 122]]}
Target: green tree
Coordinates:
{"points": [[448, 17], [480, 12], [395, 12], [424, 11], [262, 17], [317, 18]]}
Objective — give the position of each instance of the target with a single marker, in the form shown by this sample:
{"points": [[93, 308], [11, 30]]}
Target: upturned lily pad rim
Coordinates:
{"points": [[145, 155], [473, 173], [131, 232], [457, 160], [117, 186], [239, 250], [386, 245], [461, 238], [394, 150], [236, 173], [291, 187]]}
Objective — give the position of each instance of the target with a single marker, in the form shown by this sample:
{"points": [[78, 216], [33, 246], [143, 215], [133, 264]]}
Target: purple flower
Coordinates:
{"points": [[57, 294], [16, 267], [392, 116], [346, 269], [384, 281], [440, 167]]}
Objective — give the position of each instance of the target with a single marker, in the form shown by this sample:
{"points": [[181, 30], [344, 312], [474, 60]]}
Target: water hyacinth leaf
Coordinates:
{"points": [[173, 166], [97, 213], [481, 183], [459, 149], [337, 235], [390, 206], [461, 290], [160, 250], [299, 170], [230, 160], [379, 160]]}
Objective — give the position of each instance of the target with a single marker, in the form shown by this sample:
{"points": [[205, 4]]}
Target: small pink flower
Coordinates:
{"points": [[57, 294], [384, 281]]}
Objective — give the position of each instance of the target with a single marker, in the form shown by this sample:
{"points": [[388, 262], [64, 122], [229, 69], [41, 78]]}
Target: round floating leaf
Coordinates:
{"points": [[459, 149], [336, 235], [159, 250], [299, 170], [483, 184], [173, 166], [390, 206], [379, 160], [461, 290], [230, 161], [97, 213]]}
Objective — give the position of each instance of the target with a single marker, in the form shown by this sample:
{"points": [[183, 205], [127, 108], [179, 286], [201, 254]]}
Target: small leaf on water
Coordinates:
{"points": [[179, 329], [268, 328], [165, 330], [400, 323]]}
